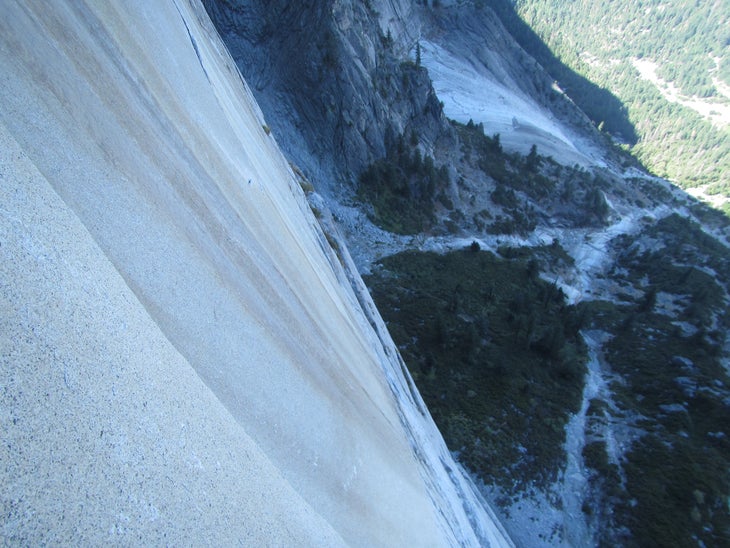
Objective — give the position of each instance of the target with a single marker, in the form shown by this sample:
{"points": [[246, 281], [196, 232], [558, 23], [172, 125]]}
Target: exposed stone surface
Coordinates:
{"points": [[334, 79], [108, 434], [183, 359]]}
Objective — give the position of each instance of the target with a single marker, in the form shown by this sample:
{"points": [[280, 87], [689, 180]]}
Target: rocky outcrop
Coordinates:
{"points": [[335, 79], [473, 34]]}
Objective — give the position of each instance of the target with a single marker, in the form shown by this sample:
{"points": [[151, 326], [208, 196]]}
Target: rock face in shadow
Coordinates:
{"points": [[339, 81], [183, 357], [333, 78]]}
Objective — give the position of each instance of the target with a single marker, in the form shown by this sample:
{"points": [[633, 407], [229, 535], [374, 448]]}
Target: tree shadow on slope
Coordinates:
{"points": [[598, 103]]}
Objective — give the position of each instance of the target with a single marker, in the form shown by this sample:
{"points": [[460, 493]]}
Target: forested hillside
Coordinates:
{"points": [[667, 63]]}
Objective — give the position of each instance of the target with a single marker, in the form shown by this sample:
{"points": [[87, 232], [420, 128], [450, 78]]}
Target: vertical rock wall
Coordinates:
{"points": [[180, 361]]}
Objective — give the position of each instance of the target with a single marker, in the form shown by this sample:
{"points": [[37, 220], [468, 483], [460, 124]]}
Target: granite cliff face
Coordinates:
{"points": [[334, 79], [184, 358]]}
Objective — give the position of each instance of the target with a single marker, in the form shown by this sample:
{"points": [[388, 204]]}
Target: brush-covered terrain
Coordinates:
{"points": [[494, 350], [667, 358], [499, 351]]}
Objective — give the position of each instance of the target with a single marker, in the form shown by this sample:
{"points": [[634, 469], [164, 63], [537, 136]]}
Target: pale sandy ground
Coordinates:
{"points": [[181, 360]]}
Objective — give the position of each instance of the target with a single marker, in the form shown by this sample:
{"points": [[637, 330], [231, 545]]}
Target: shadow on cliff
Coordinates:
{"points": [[332, 84], [598, 103]]}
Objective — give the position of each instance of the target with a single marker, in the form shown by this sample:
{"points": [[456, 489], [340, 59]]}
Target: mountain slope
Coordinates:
{"points": [[183, 356], [332, 79], [563, 312], [667, 62], [496, 83]]}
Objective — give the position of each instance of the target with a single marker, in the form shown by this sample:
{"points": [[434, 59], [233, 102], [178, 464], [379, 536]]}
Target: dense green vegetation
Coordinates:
{"points": [[686, 38], [404, 188], [497, 355], [495, 352], [401, 188], [590, 47], [671, 386]]}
